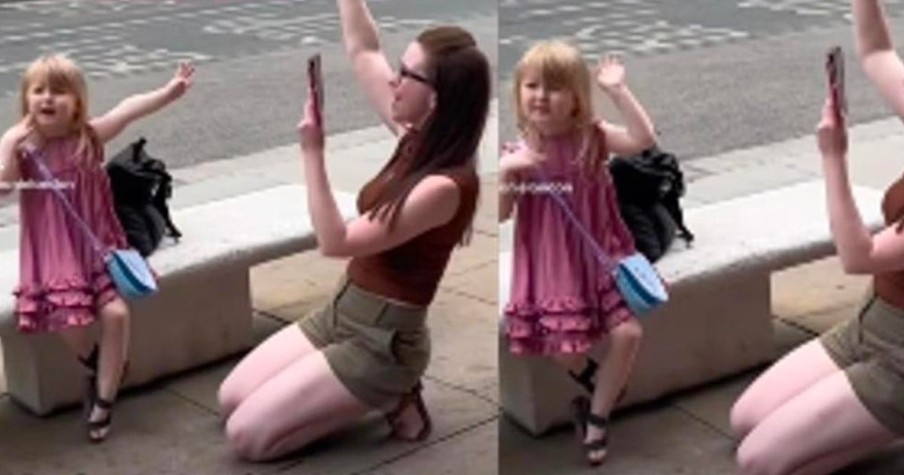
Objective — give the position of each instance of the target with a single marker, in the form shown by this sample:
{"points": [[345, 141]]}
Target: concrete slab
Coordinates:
{"points": [[464, 344], [201, 386], [482, 250], [819, 322], [364, 447], [815, 287], [735, 183], [475, 452], [287, 288], [654, 440], [712, 403], [154, 432], [480, 282], [887, 461], [2, 375]]}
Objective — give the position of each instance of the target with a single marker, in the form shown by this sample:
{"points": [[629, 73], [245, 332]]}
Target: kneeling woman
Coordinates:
{"points": [[368, 347]]}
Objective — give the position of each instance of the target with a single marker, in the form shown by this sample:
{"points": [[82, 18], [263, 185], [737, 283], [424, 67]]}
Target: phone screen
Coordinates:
{"points": [[315, 83], [835, 71]]}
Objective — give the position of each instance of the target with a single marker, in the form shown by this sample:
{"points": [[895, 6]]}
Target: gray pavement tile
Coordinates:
{"points": [[201, 386], [473, 452], [787, 336], [746, 181], [365, 447], [712, 403], [2, 374], [889, 461], [465, 344], [154, 432], [875, 163], [481, 282], [819, 322], [487, 217], [288, 288], [482, 249], [653, 440], [815, 287]]}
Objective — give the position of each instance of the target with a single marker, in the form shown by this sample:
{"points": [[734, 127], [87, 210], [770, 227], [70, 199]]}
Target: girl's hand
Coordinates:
{"points": [[182, 80], [831, 133], [310, 132], [610, 74], [19, 133]]}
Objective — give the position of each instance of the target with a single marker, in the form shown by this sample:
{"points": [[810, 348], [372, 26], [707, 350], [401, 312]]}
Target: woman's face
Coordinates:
{"points": [[413, 96]]}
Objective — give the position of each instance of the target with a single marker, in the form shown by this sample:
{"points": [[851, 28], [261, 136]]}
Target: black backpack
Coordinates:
{"points": [[141, 186], [648, 187]]}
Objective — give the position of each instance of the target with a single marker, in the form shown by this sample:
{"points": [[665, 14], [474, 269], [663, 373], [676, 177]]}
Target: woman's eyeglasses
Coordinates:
{"points": [[404, 72]]}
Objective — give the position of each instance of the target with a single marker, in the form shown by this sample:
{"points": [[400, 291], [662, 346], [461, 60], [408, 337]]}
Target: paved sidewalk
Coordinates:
{"points": [[689, 432]]}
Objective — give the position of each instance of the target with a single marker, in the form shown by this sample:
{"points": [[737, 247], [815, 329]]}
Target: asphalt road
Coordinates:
{"points": [[250, 57], [715, 75]]}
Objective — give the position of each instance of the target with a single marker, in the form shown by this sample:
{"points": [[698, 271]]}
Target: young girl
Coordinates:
{"points": [[840, 397], [562, 302], [63, 283], [368, 347]]}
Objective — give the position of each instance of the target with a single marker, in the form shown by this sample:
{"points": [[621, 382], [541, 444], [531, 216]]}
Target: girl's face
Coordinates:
{"points": [[52, 109], [413, 95], [548, 108]]}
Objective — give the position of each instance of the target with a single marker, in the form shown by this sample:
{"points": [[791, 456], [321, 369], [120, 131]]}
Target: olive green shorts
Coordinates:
{"points": [[376, 348], [870, 348]]}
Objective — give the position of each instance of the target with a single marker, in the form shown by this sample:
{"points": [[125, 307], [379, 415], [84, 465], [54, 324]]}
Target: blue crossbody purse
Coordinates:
{"points": [[637, 280], [127, 268]]}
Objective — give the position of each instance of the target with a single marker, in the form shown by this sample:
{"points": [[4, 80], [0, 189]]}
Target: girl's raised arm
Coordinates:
{"points": [[135, 107]]}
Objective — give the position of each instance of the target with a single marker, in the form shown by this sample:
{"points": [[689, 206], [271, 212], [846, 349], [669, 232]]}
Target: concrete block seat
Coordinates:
{"points": [[202, 312], [717, 321]]}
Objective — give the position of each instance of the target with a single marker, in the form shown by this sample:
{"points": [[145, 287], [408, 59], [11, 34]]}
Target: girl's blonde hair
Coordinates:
{"points": [[561, 65], [60, 73]]}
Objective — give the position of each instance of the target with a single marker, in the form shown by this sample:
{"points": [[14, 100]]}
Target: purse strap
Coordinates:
{"points": [[46, 175], [608, 263]]}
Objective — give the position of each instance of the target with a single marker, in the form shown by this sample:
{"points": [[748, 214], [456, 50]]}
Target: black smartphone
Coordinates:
{"points": [[835, 73], [315, 85]]}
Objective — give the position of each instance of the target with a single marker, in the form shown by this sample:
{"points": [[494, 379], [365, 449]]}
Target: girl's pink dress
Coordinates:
{"points": [[561, 299], [63, 281]]}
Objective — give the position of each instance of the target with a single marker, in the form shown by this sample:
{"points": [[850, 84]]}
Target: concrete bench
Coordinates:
{"points": [[717, 321], [202, 312]]}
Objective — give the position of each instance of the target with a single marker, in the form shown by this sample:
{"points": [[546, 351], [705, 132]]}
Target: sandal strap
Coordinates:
{"points": [[104, 404], [597, 444], [597, 421], [90, 361], [585, 377]]}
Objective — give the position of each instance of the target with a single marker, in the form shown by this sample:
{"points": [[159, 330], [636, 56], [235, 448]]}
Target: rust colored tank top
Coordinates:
{"points": [[411, 272], [890, 285]]}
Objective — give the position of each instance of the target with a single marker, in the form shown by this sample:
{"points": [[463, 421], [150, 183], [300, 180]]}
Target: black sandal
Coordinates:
{"points": [[103, 424], [585, 377], [90, 364], [583, 416], [412, 397]]}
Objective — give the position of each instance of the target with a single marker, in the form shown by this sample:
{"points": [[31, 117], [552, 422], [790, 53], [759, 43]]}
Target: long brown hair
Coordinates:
{"points": [[450, 136]]}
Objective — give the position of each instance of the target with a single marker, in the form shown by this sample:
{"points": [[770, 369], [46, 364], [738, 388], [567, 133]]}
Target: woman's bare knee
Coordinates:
{"points": [[757, 461], [228, 398], [742, 418], [246, 440]]}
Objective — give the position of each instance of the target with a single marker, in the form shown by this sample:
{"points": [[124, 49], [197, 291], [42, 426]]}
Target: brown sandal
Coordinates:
{"points": [[411, 398]]}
